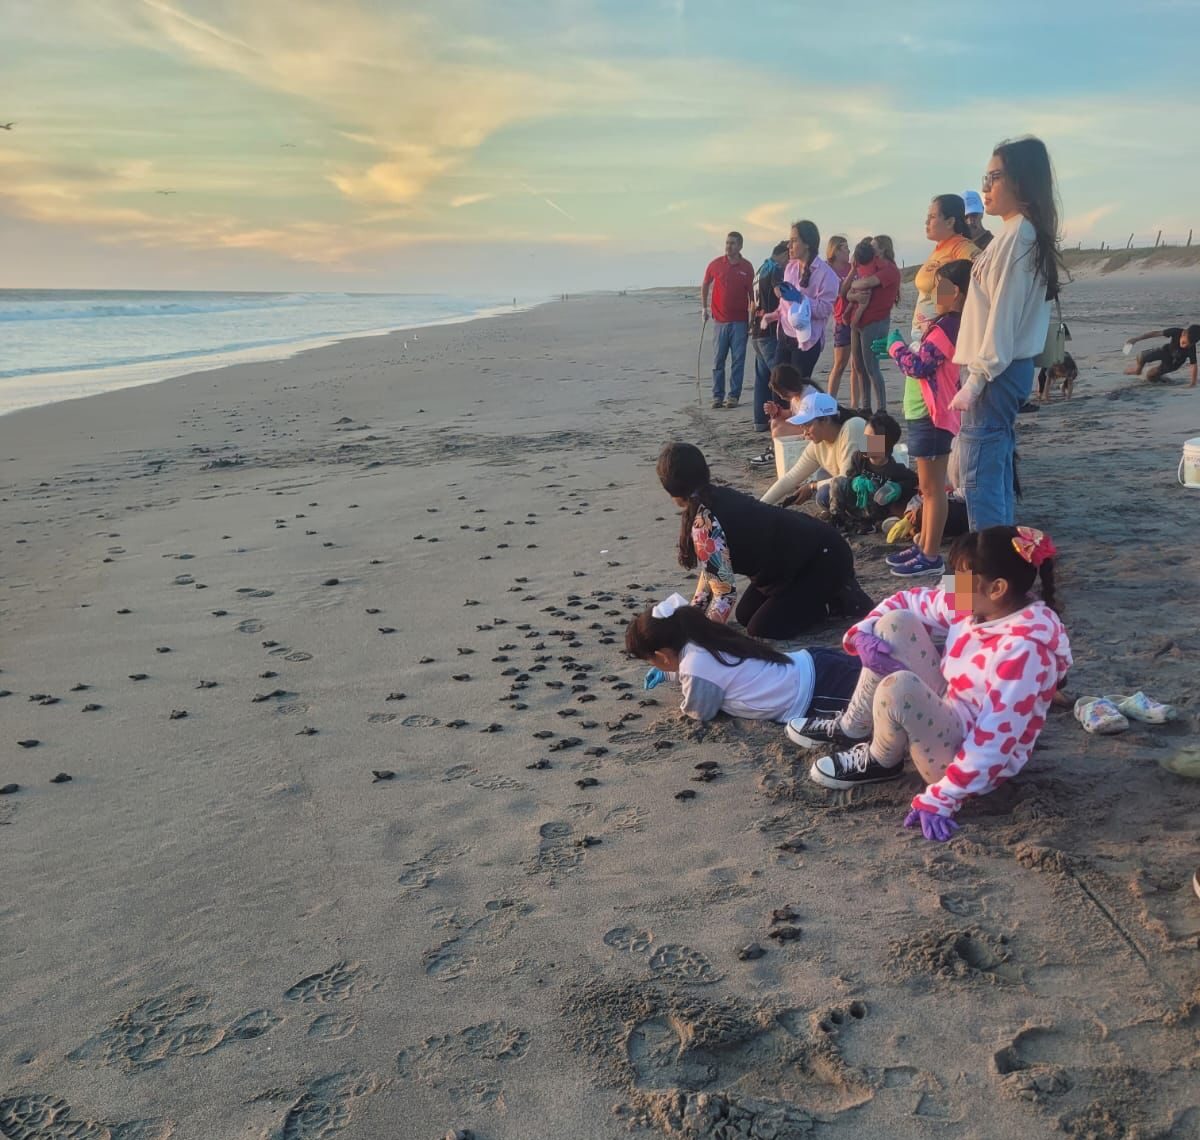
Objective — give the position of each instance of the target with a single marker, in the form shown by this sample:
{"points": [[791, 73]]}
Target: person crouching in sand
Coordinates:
{"points": [[801, 570], [723, 670], [968, 715]]}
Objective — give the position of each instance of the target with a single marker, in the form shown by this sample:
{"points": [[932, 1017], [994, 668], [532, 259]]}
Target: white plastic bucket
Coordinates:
{"points": [[787, 451], [1189, 465]]}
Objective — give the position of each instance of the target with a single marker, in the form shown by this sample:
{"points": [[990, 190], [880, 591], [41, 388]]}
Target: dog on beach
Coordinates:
{"points": [[1064, 374]]}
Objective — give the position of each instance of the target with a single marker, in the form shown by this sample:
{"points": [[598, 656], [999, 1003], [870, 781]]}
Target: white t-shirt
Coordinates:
{"points": [[753, 689]]}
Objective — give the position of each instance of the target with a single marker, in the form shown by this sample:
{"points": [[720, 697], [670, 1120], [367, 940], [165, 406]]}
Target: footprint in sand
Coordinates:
{"points": [[467, 1065], [332, 1026], [326, 1106], [167, 1026], [37, 1116], [336, 983], [668, 961], [251, 625]]}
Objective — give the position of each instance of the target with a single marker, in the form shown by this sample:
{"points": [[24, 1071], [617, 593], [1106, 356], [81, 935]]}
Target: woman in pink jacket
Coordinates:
{"points": [[806, 278], [968, 714]]}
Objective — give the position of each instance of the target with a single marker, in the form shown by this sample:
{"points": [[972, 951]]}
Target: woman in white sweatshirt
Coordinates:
{"points": [[835, 437], [1004, 324]]}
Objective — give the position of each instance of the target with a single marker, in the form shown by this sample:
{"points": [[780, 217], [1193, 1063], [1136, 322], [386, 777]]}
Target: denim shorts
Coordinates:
{"points": [[926, 441], [841, 335]]}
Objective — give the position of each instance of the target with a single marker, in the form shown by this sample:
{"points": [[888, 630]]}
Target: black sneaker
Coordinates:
{"points": [[813, 731], [853, 767], [766, 459], [851, 601]]}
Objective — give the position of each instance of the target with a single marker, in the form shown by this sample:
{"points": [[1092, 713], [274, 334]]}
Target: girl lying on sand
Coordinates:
{"points": [[722, 670], [968, 714]]}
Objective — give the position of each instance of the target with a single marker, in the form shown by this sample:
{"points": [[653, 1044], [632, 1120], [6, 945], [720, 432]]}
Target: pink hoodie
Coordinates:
{"points": [[1000, 678], [822, 294]]}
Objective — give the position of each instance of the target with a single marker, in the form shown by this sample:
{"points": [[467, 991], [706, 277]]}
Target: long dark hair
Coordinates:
{"points": [[683, 473], [647, 634], [954, 209], [808, 233], [788, 380], [990, 554], [1031, 179]]}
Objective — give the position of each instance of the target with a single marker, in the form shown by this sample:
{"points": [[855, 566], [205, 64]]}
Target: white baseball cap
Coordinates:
{"points": [[813, 407], [973, 201]]}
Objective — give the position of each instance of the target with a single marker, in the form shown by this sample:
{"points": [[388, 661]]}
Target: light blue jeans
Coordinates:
{"points": [[986, 445], [729, 337]]}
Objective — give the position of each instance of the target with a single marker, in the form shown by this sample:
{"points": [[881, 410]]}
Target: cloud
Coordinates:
{"points": [[770, 220], [460, 200], [1082, 225]]}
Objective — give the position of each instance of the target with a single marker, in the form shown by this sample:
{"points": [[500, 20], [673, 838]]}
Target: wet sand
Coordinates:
{"points": [[385, 838]]}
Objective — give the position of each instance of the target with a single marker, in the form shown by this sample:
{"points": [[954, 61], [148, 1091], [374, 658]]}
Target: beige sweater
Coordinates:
{"points": [[833, 458]]}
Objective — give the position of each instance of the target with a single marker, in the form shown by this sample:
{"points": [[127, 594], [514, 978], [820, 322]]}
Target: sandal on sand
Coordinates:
{"points": [[1100, 715], [1143, 708]]}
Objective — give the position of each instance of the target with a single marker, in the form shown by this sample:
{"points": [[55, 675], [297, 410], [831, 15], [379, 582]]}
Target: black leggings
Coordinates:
{"points": [[804, 360], [790, 609]]}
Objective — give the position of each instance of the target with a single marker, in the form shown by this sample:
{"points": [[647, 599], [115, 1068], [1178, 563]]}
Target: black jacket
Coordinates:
{"points": [[772, 546]]}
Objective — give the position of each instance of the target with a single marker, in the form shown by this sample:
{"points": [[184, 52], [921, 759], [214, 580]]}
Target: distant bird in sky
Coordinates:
{"points": [[164, 191], [7, 126], [286, 144]]}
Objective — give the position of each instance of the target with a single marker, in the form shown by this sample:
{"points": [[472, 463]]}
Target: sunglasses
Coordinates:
{"points": [[990, 177]]}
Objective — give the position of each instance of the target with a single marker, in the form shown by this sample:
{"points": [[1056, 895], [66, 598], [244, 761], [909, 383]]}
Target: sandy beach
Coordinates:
{"points": [[241, 593]]}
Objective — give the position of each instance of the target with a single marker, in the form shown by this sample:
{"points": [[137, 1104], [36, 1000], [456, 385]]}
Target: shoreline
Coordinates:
{"points": [[139, 374]]}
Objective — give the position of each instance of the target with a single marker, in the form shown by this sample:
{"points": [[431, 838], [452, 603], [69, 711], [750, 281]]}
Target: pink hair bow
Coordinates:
{"points": [[1033, 545]]}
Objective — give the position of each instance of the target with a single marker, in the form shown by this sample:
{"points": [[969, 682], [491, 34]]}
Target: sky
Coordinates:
{"points": [[543, 146]]}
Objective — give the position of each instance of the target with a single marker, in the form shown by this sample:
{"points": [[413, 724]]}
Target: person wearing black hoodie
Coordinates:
{"points": [[801, 570]]}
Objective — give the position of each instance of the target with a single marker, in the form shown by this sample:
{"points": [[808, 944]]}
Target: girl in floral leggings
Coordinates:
{"points": [[968, 713]]}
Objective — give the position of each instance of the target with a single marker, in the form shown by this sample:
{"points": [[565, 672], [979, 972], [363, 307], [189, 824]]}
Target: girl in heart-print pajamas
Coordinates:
{"points": [[968, 714]]}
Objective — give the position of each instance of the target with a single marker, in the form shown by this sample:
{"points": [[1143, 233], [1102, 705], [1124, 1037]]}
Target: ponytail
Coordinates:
{"points": [[1046, 576], [647, 634], [687, 519]]}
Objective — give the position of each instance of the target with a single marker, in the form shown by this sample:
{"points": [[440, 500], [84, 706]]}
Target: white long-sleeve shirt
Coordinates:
{"points": [[834, 458], [1006, 314]]}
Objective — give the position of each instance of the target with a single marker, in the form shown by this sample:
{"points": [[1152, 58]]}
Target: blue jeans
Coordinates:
{"points": [[729, 337], [986, 444], [766, 348]]}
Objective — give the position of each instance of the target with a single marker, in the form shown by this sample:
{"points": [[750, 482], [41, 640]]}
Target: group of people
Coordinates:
{"points": [[958, 675], [981, 316]]}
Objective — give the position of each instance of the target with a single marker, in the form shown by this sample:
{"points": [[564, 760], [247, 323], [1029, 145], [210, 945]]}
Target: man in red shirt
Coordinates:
{"points": [[731, 279]]}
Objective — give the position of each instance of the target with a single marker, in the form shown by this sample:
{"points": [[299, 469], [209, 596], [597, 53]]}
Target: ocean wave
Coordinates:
{"points": [[59, 309]]}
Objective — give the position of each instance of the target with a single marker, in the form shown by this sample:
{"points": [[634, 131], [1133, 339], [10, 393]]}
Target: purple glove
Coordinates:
{"points": [[876, 654], [937, 828]]}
